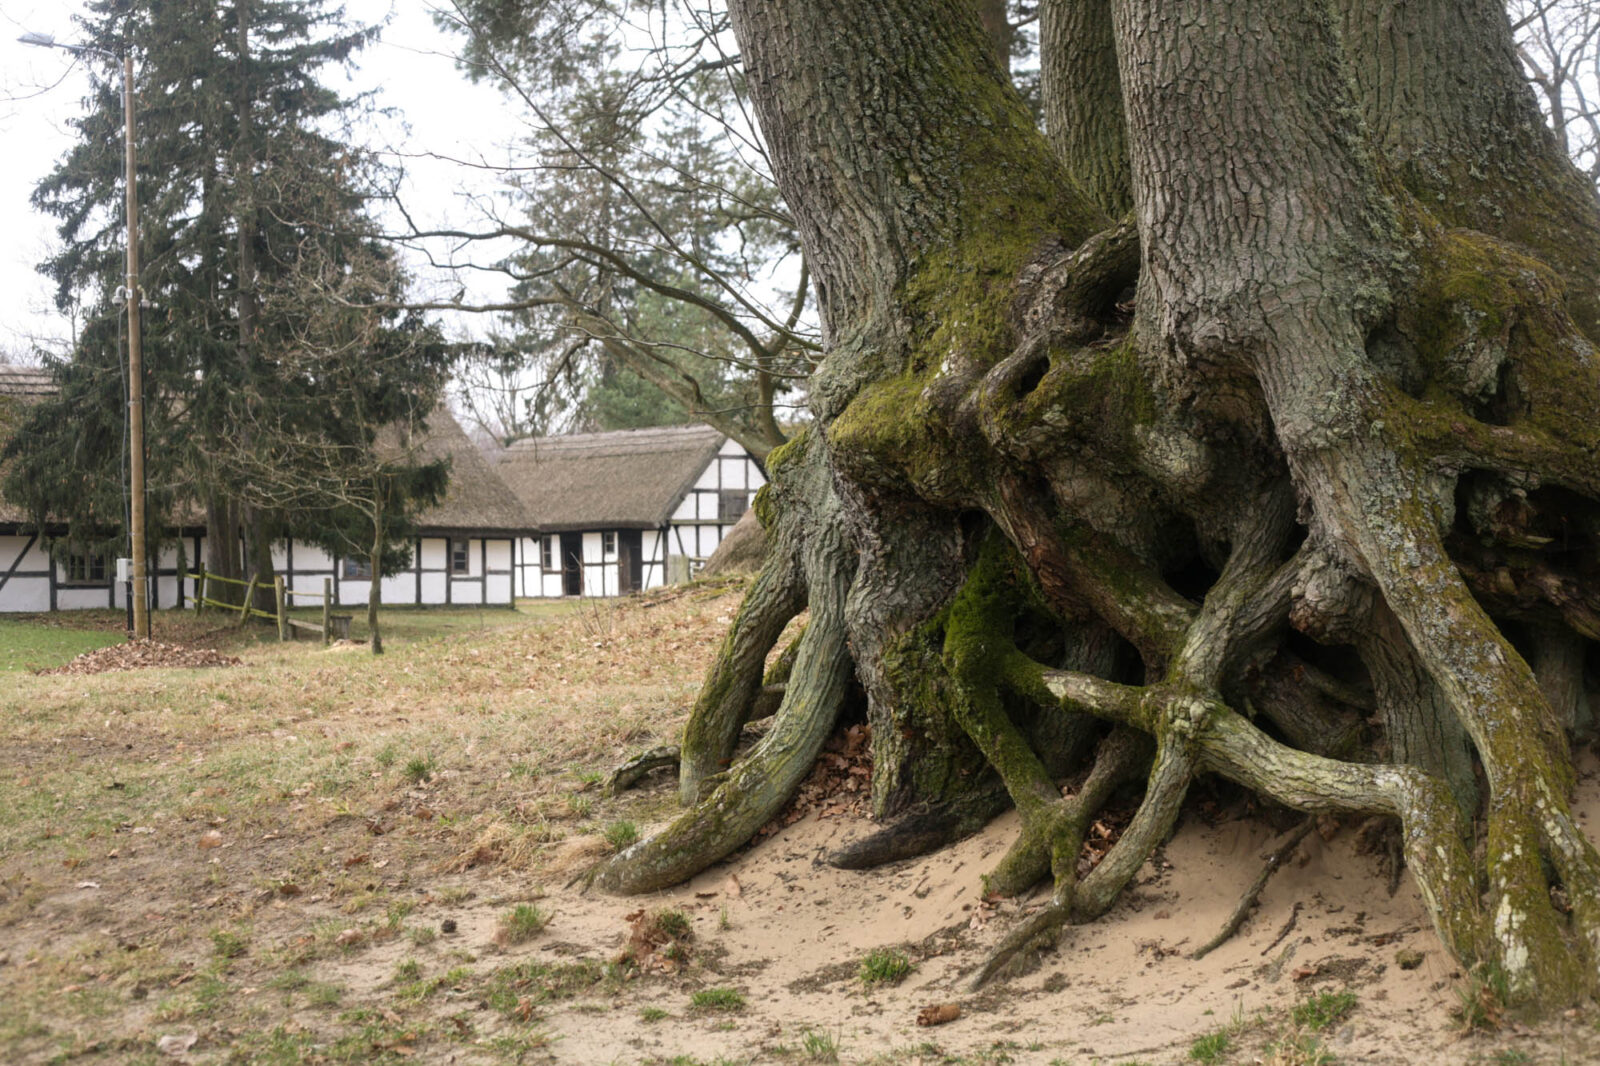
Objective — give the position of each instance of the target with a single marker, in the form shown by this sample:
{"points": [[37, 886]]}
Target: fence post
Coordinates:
{"points": [[283, 617], [249, 594], [327, 610], [200, 591]]}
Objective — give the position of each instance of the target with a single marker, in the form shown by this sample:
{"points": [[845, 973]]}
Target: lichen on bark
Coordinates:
{"points": [[1081, 491]]}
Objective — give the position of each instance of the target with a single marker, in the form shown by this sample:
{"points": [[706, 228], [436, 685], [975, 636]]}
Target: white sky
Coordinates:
{"points": [[412, 69]]}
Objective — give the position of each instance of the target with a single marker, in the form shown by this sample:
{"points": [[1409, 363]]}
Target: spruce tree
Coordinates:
{"points": [[245, 196]]}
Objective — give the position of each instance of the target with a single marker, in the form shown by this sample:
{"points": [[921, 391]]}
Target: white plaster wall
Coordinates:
{"points": [[499, 554], [498, 588], [433, 586], [27, 594], [399, 588], [435, 555], [78, 599], [167, 592], [36, 558], [466, 592], [311, 557]]}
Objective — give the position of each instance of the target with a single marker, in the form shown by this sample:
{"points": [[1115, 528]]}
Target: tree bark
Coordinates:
{"points": [[1029, 504]]}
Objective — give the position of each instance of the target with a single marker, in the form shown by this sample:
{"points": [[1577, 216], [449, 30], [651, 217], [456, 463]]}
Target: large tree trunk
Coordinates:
{"points": [[1326, 405]]}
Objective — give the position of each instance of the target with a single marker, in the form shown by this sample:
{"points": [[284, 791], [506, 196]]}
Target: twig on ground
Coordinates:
{"points": [[1251, 894]]}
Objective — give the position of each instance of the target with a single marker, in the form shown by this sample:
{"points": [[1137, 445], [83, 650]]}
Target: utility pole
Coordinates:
{"points": [[141, 591], [140, 595]]}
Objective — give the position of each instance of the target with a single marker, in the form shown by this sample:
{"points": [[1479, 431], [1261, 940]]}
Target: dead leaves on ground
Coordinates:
{"points": [[657, 941], [840, 782], [143, 654]]}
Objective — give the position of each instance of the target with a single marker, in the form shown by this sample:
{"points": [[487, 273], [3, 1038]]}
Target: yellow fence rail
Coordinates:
{"points": [[282, 596]]}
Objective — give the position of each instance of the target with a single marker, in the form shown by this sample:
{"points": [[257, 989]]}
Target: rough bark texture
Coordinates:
{"points": [[1079, 490]]}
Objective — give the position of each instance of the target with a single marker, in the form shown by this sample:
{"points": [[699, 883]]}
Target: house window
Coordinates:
{"points": [[460, 557], [85, 569], [608, 543], [357, 569], [548, 553], [732, 504]]}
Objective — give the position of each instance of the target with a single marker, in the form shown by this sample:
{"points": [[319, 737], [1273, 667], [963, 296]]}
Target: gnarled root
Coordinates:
{"points": [[728, 695], [920, 832], [628, 774], [749, 794]]}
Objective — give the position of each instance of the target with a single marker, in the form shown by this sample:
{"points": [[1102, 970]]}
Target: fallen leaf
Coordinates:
{"points": [[938, 1014], [348, 937], [210, 839], [177, 1043], [88, 884], [732, 887]]}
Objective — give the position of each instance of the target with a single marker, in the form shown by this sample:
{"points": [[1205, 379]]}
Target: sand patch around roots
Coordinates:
{"points": [[787, 933]]}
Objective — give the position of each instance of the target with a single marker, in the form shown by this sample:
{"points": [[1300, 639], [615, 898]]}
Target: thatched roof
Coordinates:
{"points": [[20, 386], [625, 479], [477, 499], [27, 382]]}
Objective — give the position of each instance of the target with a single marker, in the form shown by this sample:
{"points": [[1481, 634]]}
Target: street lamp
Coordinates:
{"points": [[141, 607]]}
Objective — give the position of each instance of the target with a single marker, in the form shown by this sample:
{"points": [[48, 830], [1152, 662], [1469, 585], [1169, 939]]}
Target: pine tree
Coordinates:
{"points": [[244, 196]]}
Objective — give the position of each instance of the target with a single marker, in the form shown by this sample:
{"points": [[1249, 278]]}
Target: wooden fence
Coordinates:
{"points": [[331, 624]]}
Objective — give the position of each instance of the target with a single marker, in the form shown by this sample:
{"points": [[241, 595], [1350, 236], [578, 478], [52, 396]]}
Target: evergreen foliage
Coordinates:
{"points": [[255, 248]]}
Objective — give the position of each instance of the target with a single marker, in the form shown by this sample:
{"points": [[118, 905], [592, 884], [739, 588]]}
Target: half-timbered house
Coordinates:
{"points": [[464, 551], [626, 510], [465, 548], [31, 579]]}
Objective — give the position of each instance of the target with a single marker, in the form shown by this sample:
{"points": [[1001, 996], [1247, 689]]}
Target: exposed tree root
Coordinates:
{"points": [[748, 795], [726, 700], [629, 773], [921, 832], [1247, 901]]}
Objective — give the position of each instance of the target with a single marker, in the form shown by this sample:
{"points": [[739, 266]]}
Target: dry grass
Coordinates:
{"points": [[179, 848]]}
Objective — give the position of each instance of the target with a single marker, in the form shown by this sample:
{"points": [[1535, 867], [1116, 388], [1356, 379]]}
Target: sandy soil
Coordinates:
{"points": [[787, 931]]}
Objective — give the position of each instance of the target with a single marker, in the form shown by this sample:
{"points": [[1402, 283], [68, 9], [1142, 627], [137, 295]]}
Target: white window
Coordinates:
{"points": [[548, 553], [608, 543], [460, 557], [357, 569]]}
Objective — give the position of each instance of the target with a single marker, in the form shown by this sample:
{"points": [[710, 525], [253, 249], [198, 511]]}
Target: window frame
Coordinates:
{"points": [[464, 547], [80, 568], [724, 496], [354, 569], [608, 542]]}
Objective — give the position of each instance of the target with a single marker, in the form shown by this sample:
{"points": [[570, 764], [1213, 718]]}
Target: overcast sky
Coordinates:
{"points": [[412, 68]]}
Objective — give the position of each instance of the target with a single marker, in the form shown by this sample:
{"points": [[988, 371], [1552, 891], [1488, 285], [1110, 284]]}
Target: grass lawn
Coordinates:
{"points": [[32, 644], [219, 851]]}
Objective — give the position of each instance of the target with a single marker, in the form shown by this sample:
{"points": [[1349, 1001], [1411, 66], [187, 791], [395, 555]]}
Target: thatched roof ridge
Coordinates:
{"points": [[622, 479], [477, 499]]}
